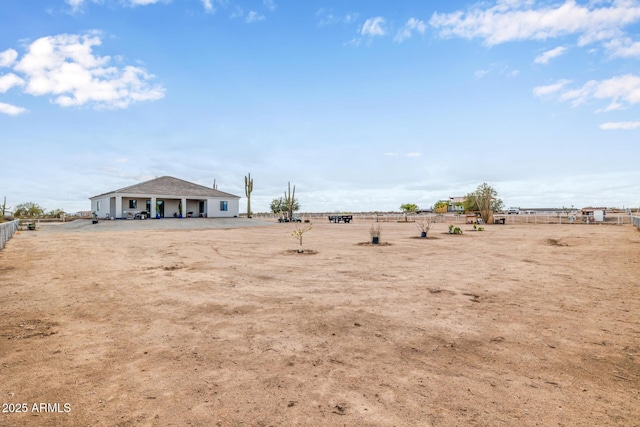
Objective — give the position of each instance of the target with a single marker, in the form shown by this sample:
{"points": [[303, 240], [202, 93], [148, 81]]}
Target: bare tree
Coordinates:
{"points": [[424, 226]]}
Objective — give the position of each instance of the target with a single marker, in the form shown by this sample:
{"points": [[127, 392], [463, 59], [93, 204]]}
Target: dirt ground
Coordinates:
{"points": [[517, 325]]}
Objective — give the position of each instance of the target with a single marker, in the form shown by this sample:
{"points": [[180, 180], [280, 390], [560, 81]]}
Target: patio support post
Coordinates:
{"points": [[119, 207], [152, 214]]}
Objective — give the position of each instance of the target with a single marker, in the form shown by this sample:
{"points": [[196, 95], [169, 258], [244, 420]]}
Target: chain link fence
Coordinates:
{"points": [[7, 229]]}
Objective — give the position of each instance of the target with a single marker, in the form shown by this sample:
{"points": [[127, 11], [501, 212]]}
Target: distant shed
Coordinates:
{"points": [[594, 214]]}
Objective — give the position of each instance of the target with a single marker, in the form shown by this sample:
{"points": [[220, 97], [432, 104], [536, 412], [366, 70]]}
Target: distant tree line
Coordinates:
{"points": [[33, 210]]}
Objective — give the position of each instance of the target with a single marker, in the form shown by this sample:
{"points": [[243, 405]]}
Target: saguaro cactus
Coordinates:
{"points": [[248, 188], [290, 200]]}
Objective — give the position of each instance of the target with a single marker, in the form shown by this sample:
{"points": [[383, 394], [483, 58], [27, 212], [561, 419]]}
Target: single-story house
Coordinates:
{"points": [[165, 197]]}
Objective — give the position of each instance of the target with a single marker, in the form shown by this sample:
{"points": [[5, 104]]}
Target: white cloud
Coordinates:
{"points": [[269, 4], [620, 126], [623, 48], [75, 4], [355, 42], [350, 17], [11, 110], [254, 17], [8, 57], [547, 56], [143, 2], [8, 81], [373, 27], [406, 32], [65, 67], [237, 13], [620, 91], [511, 20], [550, 89], [208, 6], [326, 17], [498, 68]]}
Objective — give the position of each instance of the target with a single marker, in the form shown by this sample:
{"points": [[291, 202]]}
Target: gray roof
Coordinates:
{"points": [[170, 186]]}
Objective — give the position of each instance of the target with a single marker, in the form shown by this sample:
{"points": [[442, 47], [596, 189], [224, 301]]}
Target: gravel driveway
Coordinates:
{"points": [[84, 225]]}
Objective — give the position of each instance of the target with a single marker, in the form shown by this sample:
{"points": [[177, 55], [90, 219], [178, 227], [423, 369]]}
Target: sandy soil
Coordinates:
{"points": [[516, 325]]}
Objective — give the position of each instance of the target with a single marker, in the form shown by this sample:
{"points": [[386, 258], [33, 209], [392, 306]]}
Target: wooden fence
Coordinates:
{"points": [[7, 229]]}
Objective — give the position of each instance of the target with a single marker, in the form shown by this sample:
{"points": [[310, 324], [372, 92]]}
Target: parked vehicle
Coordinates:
{"points": [[287, 219]]}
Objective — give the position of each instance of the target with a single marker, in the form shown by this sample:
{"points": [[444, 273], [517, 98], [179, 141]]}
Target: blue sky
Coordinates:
{"points": [[363, 105]]}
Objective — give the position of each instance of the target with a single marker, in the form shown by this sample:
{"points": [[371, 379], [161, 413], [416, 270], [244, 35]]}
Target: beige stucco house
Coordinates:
{"points": [[165, 197]]}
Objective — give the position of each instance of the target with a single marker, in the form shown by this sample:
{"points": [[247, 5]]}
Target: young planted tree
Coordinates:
{"points": [[485, 201], [248, 188], [424, 227], [375, 232], [298, 232]]}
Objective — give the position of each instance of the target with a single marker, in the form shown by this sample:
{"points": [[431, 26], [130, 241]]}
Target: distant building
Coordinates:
{"points": [[540, 211], [165, 197], [452, 205], [594, 214]]}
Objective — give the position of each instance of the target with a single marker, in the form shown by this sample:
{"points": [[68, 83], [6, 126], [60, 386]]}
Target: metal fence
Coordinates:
{"points": [[560, 218], [636, 221], [6, 231]]}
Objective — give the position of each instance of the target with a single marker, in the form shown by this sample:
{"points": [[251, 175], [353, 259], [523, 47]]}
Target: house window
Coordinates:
{"points": [[223, 206], [133, 204], [98, 205]]}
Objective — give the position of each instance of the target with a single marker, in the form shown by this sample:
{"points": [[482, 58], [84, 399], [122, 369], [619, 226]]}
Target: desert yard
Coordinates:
{"points": [[517, 325]]}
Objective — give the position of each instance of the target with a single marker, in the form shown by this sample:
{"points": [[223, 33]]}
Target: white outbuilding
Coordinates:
{"points": [[165, 197]]}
